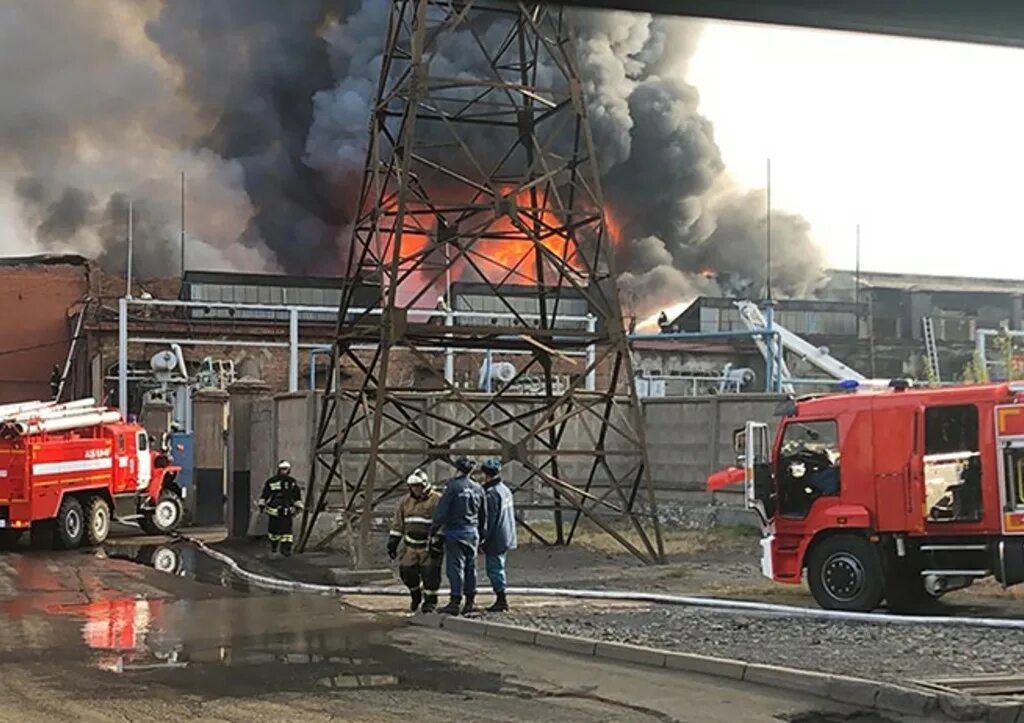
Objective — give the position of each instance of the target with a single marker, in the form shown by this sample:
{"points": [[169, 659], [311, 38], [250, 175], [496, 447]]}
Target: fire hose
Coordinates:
{"points": [[720, 604]]}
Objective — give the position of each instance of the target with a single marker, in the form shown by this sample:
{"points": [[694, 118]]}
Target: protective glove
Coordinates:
{"points": [[436, 547], [392, 547]]}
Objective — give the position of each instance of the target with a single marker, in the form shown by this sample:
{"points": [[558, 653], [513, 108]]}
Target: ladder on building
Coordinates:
{"points": [[931, 349]]}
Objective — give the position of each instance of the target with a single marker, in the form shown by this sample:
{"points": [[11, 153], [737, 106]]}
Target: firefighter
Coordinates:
{"points": [[500, 532], [55, 376], [281, 499], [462, 514], [420, 564]]}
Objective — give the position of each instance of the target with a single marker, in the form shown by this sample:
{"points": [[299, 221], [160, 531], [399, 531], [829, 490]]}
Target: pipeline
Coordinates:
{"points": [[720, 604]]}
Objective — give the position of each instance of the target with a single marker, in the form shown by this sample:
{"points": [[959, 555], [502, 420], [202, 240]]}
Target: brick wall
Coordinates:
{"points": [[35, 333]]}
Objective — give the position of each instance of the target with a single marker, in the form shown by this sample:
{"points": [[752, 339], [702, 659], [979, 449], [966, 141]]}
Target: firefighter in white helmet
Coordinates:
{"points": [[420, 563], [281, 499]]}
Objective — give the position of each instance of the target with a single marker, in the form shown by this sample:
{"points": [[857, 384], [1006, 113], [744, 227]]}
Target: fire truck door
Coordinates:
{"points": [[145, 461], [896, 466]]}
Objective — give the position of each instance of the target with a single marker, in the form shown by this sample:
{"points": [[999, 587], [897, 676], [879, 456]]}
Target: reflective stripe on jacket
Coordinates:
{"points": [[281, 495], [411, 522]]}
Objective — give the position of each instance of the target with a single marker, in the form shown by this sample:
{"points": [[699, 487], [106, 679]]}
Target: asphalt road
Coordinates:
{"points": [[102, 635]]}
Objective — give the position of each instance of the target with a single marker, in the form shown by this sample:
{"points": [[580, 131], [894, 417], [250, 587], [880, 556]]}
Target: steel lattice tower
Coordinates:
{"points": [[481, 166]]}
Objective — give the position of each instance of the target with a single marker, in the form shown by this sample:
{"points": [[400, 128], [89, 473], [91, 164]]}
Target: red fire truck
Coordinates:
{"points": [[890, 493], [67, 469]]}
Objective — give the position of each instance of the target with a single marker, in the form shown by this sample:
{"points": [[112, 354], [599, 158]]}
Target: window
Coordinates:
{"points": [[143, 442], [808, 466], [952, 464]]}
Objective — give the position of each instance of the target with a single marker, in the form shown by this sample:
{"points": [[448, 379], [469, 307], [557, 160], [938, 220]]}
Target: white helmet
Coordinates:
{"points": [[418, 477], [284, 466]]}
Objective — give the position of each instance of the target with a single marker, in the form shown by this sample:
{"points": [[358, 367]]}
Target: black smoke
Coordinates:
{"points": [[265, 104]]}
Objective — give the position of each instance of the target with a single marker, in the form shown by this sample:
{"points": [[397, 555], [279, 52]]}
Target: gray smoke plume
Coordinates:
{"points": [[265, 105], [664, 178]]}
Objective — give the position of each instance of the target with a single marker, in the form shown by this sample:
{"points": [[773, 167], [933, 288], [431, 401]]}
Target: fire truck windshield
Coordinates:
{"points": [[808, 466]]}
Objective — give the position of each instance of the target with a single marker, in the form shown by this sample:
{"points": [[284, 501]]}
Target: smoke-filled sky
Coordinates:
{"points": [[264, 104]]}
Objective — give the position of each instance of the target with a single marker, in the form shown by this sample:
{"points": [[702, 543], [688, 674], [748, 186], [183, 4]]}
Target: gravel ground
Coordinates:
{"points": [[891, 652]]}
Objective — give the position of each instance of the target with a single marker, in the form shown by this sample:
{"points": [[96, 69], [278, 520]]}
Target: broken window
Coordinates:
{"points": [[808, 466], [952, 464]]}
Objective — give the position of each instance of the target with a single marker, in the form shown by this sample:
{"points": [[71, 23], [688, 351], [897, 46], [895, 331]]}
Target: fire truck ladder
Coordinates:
{"points": [[816, 356], [931, 349]]}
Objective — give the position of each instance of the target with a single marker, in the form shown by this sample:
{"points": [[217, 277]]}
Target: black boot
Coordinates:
{"points": [[500, 603], [429, 603], [415, 598], [470, 606], [286, 549], [452, 608], [273, 547]]}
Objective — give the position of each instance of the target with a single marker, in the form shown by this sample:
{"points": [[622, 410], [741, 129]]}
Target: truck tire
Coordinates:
{"points": [[165, 517], [97, 520], [844, 572], [70, 523]]}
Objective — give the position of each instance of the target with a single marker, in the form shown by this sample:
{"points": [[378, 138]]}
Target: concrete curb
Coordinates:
{"points": [[861, 692]]}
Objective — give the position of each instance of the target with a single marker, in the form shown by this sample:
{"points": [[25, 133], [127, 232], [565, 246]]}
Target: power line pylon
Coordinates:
{"points": [[481, 168]]}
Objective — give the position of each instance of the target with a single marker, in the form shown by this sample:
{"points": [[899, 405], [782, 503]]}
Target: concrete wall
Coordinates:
{"points": [[687, 438]]}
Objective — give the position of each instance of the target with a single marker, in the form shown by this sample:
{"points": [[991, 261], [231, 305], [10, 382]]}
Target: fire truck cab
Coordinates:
{"points": [[65, 473], [894, 493]]}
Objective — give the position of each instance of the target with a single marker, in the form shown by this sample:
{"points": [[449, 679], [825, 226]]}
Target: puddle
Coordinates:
{"points": [[178, 559], [292, 662], [218, 638]]}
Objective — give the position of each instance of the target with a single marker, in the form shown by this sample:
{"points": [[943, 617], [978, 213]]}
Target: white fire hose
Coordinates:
{"points": [[721, 604]]}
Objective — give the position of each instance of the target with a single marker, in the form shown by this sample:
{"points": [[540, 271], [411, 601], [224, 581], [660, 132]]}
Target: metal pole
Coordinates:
{"points": [[449, 352], [183, 223], [128, 264], [122, 356], [768, 234], [293, 351], [856, 279], [591, 384]]}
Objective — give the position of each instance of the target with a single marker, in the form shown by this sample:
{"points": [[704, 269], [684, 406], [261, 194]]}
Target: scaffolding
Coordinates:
{"points": [[488, 176]]}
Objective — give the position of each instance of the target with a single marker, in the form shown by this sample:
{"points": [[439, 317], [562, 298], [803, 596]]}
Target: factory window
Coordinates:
{"points": [[808, 466], [952, 464]]}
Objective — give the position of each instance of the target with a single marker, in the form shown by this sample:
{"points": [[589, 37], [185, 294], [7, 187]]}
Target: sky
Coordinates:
{"points": [[920, 142]]}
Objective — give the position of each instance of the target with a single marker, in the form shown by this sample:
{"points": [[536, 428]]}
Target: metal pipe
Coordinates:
{"points": [[122, 356], [128, 264], [591, 381], [313, 354], [284, 344], [449, 354], [425, 313], [701, 335], [293, 351]]}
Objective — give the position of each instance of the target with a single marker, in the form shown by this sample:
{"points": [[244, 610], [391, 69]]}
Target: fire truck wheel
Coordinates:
{"points": [[845, 573], [166, 515], [97, 520], [70, 523]]}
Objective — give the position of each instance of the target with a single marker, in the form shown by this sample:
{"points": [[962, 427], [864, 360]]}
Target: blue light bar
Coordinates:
{"points": [[849, 384]]}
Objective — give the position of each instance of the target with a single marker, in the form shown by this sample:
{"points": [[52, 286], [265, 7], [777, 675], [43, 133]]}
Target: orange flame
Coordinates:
{"points": [[504, 249]]}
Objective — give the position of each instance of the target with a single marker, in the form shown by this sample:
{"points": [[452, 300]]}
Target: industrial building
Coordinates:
{"points": [[874, 322]]}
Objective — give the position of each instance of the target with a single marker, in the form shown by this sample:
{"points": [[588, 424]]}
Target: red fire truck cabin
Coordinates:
{"points": [[894, 494]]}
